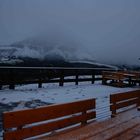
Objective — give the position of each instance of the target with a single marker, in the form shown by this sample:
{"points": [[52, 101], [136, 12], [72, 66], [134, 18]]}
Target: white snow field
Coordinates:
{"points": [[53, 93]]}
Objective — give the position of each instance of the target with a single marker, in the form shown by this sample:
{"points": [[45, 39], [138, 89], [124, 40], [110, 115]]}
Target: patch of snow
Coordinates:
{"points": [[10, 61]]}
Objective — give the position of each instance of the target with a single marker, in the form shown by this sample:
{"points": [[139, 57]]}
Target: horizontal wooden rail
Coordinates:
{"points": [[122, 100], [33, 122], [28, 75]]}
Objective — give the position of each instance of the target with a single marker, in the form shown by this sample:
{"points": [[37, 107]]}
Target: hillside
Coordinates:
{"points": [[26, 55]]}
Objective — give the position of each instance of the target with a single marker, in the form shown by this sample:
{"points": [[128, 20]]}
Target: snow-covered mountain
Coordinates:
{"points": [[41, 49], [35, 53], [47, 53], [30, 54]]}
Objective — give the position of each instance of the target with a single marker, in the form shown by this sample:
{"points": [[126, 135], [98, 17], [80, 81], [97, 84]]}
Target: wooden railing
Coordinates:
{"points": [[117, 78], [29, 75], [122, 100], [121, 78], [23, 124], [136, 78]]}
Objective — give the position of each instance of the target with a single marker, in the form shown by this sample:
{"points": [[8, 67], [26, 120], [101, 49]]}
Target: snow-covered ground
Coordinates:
{"points": [[29, 96], [52, 93]]}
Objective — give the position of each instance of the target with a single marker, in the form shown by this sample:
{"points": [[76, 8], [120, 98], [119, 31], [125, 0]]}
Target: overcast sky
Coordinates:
{"points": [[107, 29]]}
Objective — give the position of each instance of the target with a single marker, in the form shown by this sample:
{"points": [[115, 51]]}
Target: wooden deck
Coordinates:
{"points": [[125, 126], [70, 121]]}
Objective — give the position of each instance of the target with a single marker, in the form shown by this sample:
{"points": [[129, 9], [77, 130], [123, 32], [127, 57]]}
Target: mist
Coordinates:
{"points": [[104, 31]]}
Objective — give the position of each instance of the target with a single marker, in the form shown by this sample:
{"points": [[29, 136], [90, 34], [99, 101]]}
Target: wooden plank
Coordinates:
{"points": [[111, 77], [118, 84], [116, 75], [124, 96], [44, 128], [109, 134], [130, 134], [136, 138], [79, 80], [123, 104], [13, 119], [107, 73]]}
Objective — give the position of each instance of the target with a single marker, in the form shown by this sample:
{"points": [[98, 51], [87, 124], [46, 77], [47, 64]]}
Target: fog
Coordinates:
{"points": [[103, 30]]}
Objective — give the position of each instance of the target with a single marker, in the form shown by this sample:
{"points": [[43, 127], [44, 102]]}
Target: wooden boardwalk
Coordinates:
{"points": [[125, 126]]}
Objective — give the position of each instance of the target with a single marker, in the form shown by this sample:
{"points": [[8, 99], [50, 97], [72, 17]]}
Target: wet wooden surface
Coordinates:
{"points": [[125, 126]]}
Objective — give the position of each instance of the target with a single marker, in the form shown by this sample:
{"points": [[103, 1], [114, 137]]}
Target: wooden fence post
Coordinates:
{"points": [[104, 81], [61, 82], [12, 79], [138, 104], [113, 111], [40, 79], [12, 85], [0, 87], [40, 84], [113, 106], [93, 77], [85, 121], [76, 78]]}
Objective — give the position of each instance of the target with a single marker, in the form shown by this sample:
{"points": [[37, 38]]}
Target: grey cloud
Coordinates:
{"points": [[107, 30]]}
